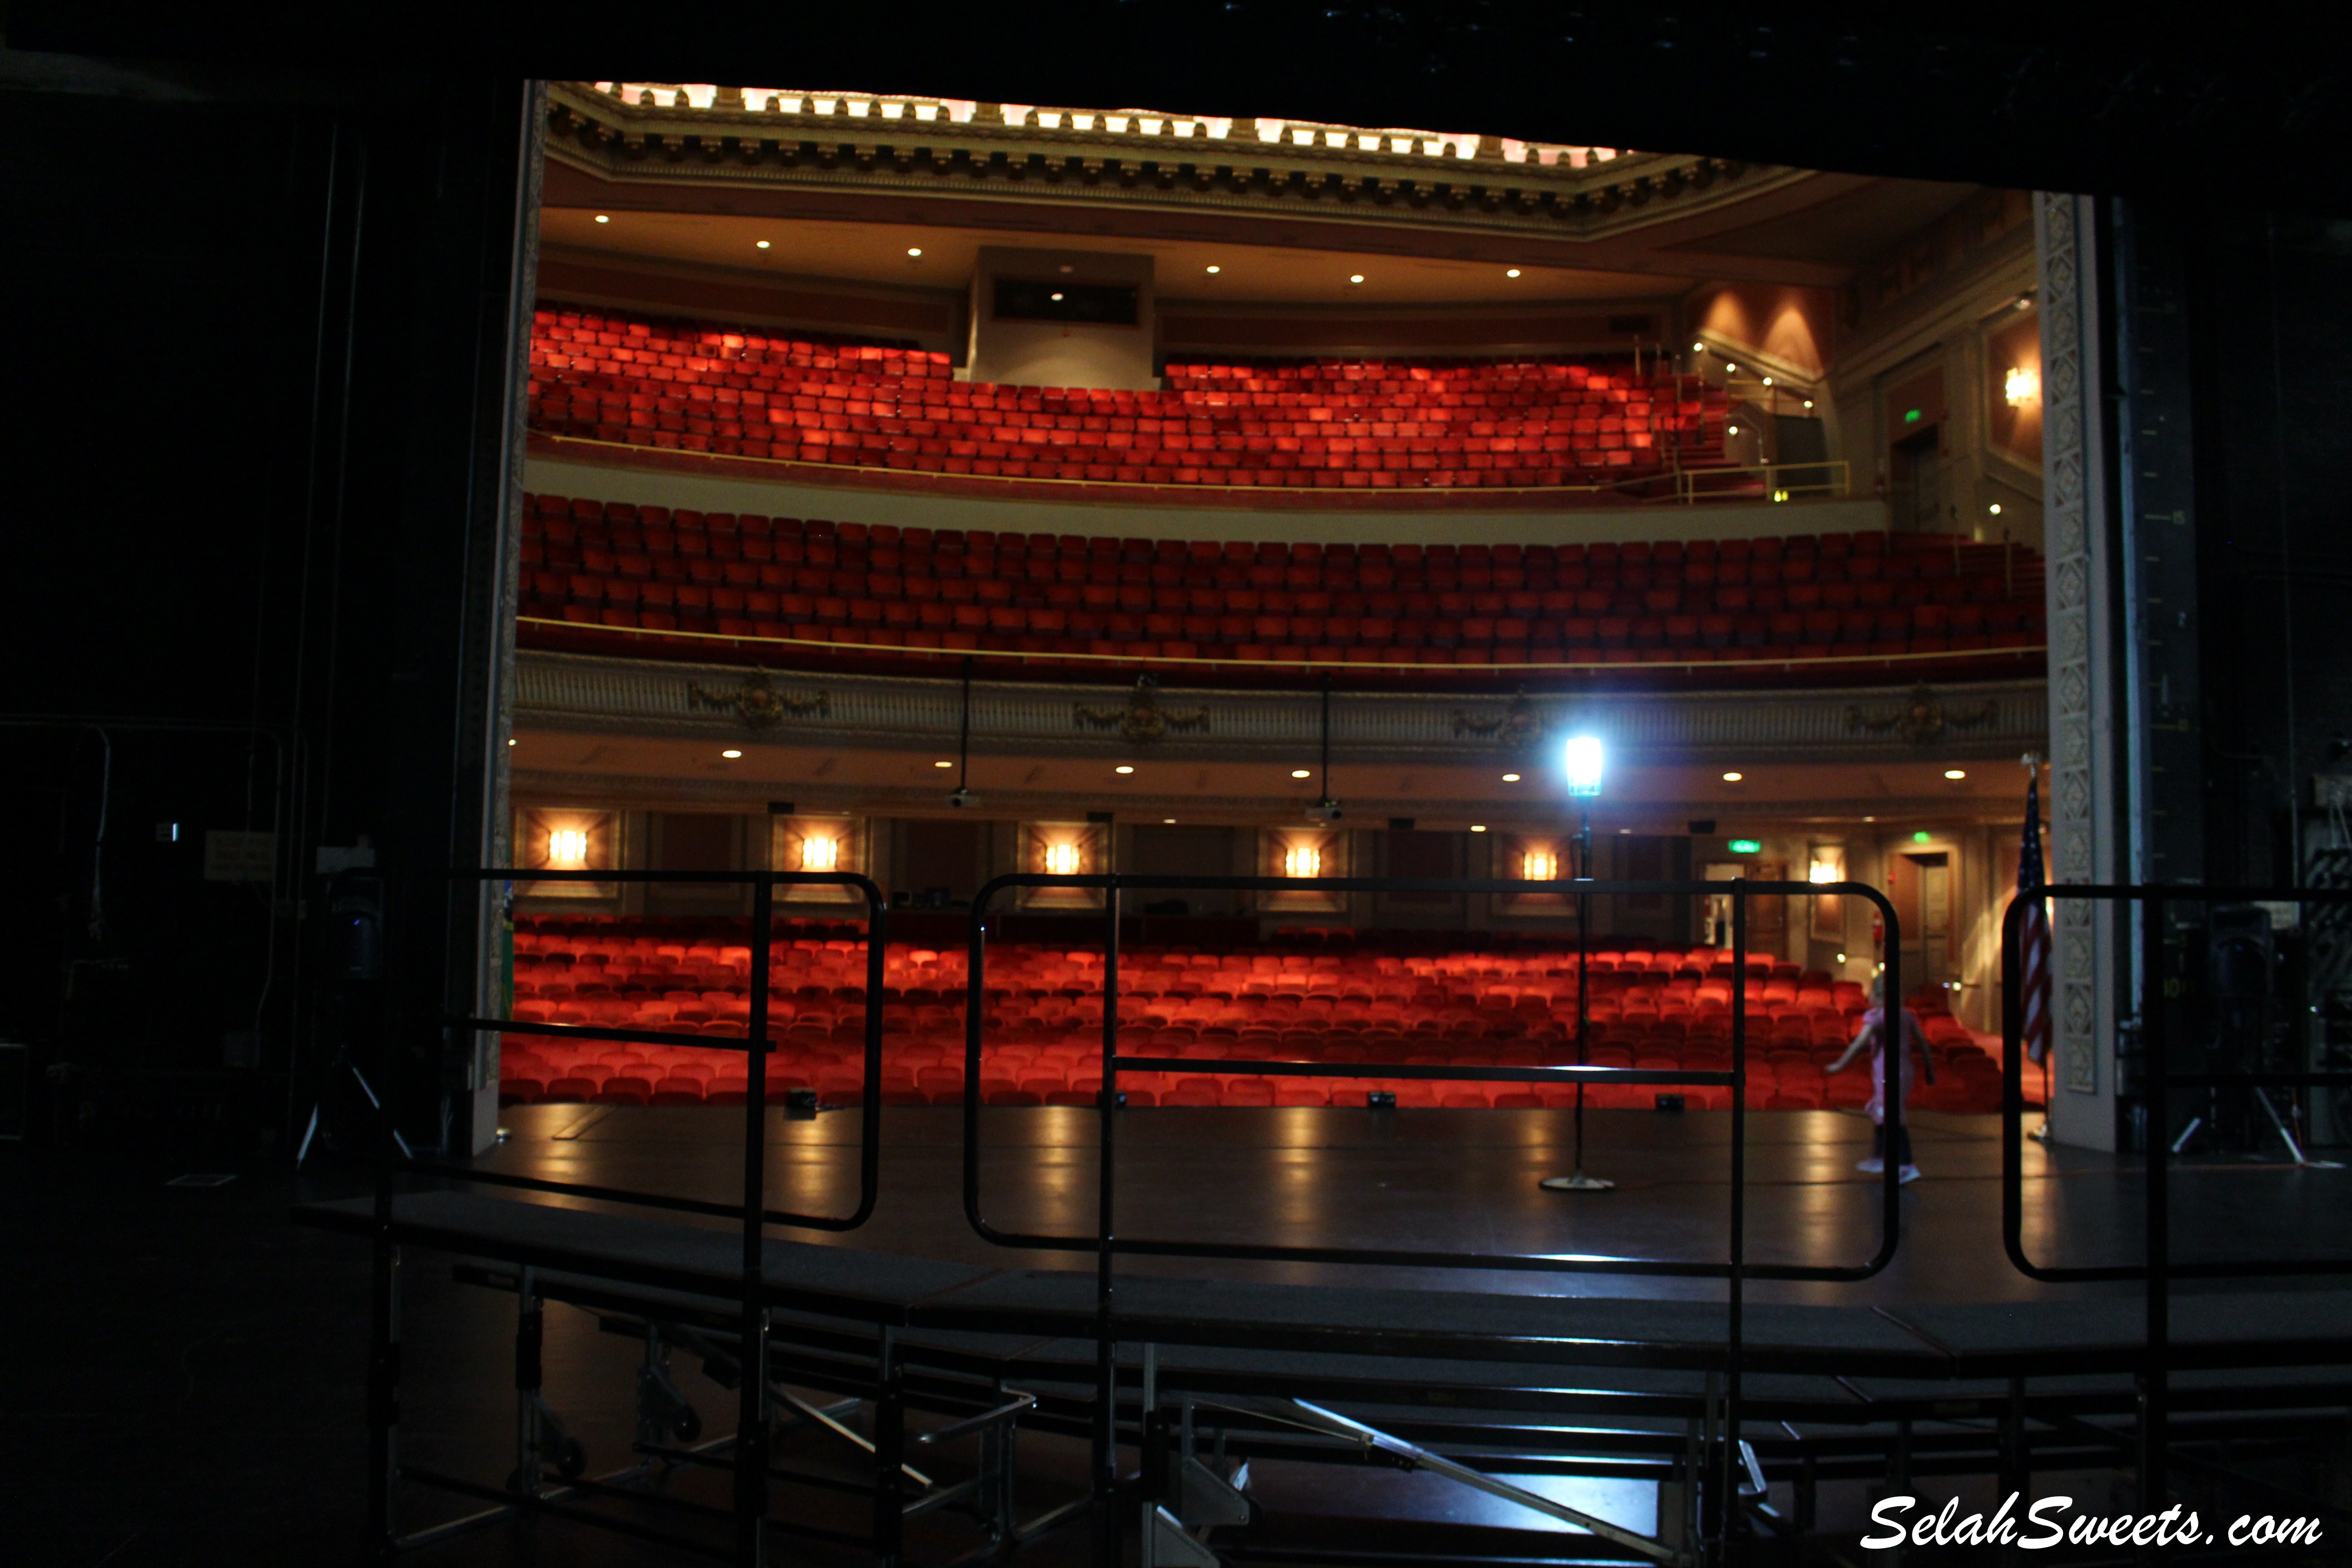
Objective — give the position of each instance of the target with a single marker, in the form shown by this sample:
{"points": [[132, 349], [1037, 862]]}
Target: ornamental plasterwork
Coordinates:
{"points": [[1517, 726], [2066, 536], [852, 141], [757, 702], [1140, 718], [1922, 718], [589, 694]]}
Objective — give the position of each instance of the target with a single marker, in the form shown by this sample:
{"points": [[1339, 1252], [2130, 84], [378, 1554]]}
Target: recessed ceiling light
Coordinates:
{"points": [[914, 250], [1733, 778], [762, 244], [1698, 348], [1731, 429], [602, 218], [1767, 381], [1510, 778], [1728, 367], [1477, 827], [1124, 768], [1994, 508], [1510, 272], [1809, 403], [730, 751], [1057, 293], [1956, 773], [1216, 270], [942, 764], [1299, 772]]}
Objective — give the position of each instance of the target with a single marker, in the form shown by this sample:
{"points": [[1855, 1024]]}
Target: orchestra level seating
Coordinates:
{"points": [[1415, 997], [649, 569], [1362, 424]]}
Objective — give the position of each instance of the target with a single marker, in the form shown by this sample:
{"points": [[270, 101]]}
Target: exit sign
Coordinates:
{"points": [[1746, 847]]}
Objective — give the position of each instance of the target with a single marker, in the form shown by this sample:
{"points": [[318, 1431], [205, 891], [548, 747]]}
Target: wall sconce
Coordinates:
{"points": [[1823, 871], [1539, 865], [1061, 859], [820, 854], [1302, 860], [568, 847], [2022, 386]]}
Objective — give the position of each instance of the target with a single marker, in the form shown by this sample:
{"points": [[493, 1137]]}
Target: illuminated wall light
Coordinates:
{"points": [[1698, 348], [1510, 272], [1216, 270], [820, 854], [509, 740], [1956, 773], [1728, 367], [1809, 403], [1539, 865], [2022, 386], [1302, 860], [1168, 821], [731, 753], [602, 218], [1822, 871], [1124, 768], [1731, 429], [914, 250], [1062, 859], [1994, 508], [568, 847], [1477, 827], [1767, 381], [761, 244], [1056, 294], [1733, 778], [1355, 278], [1510, 778], [943, 762], [1299, 773]]}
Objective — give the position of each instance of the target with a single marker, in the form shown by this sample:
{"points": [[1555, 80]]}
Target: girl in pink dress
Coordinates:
{"points": [[1872, 1034]]}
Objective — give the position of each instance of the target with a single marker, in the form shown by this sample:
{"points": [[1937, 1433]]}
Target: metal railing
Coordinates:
{"points": [[1108, 1243], [2157, 1006], [752, 1466]]}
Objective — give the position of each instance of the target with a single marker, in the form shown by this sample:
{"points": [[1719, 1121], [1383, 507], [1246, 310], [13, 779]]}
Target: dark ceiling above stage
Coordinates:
{"points": [[2238, 105]]}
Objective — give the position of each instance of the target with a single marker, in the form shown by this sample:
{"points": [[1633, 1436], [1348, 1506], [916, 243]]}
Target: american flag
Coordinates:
{"points": [[2033, 939]]}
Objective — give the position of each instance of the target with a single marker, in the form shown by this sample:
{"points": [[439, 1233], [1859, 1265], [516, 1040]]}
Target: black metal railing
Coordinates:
{"points": [[2158, 1008], [749, 1514], [1108, 1243]]}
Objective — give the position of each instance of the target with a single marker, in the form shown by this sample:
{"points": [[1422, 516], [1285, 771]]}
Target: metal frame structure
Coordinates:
{"points": [[751, 1465], [2160, 1270], [1728, 1459]]}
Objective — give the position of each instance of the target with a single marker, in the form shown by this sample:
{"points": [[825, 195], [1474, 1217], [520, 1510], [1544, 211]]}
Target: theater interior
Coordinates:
{"points": [[1208, 821]]}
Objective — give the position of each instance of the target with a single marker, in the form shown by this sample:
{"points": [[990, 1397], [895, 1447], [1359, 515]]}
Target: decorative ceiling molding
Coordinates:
{"points": [[734, 136], [580, 693]]}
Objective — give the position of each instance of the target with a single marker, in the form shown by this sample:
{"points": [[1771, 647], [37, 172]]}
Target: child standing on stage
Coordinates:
{"points": [[1872, 1034]]}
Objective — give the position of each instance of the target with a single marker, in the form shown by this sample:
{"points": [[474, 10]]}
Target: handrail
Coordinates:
{"points": [[1114, 1061], [2158, 1271], [757, 1043], [1131, 660]]}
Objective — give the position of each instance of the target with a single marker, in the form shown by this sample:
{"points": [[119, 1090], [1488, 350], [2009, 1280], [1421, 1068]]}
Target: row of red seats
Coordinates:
{"points": [[680, 387]]}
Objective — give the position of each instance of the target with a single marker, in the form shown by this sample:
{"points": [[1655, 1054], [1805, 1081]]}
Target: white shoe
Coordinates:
{"points": [[1910, 1175], [1871, 1166]]}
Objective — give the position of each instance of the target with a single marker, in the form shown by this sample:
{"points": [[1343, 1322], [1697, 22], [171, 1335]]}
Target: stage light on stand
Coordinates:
{"points": [[1583, 760]]}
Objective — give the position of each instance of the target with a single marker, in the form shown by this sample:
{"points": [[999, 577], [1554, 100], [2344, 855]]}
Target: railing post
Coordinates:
{"points": [[751, 1405], [2157, 1073], [1105, 1479], [1728, 1519]]}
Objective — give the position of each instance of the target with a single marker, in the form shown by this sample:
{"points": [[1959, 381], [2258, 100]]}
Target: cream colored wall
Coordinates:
{"points": [[1537, 523]]}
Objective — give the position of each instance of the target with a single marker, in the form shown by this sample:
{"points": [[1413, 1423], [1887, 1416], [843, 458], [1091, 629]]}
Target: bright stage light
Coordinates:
{"points": [[1583, 757]]}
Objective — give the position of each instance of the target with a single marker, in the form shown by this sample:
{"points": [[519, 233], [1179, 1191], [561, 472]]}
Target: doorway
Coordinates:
{"points": [[1916, 503], [1925, 904]]}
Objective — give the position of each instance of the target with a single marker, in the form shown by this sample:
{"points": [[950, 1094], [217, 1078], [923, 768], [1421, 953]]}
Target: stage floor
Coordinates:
{"points": [[188, 1388], [1463, 1180]]}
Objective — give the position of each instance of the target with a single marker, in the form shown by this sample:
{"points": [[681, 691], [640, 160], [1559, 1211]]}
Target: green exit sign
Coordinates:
{"points": [[1746, 847], [1910, 417], [1922, 836]]}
